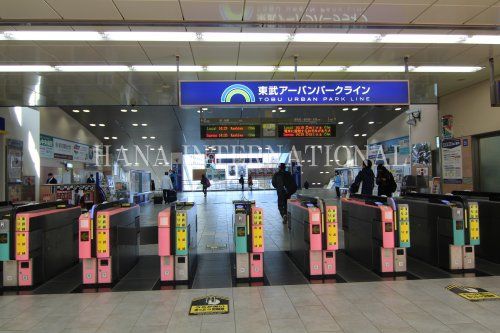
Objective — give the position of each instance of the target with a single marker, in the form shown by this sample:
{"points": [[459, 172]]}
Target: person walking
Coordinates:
{"points": [[166, 185], [385, 181], [285, 186], [337, 182], [250, 182], [365, 178], [205, 184], [242, 183]]}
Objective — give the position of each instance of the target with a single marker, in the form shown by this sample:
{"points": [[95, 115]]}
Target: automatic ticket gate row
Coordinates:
{"points": [[37, 242], [444, 230], [108, 242], [177, 242], [489, 216], [376, 232], [248, 240], [313, 227]]}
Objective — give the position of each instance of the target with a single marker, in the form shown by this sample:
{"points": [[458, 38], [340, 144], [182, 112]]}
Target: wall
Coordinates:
{"points": [[22, 124], [57, 123], [471, 110]]}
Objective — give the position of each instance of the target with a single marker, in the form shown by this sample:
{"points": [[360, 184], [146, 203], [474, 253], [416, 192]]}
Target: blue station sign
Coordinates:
{"points": [[257, 93]]}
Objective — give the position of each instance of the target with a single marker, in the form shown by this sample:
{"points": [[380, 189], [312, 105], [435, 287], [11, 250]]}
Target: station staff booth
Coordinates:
{"points": [[248, 229], [177, 242], [444, 230], [376, 233], [313, 224]]}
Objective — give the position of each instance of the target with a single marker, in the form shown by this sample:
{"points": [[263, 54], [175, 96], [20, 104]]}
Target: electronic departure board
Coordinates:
{"points": [[306, 131], [230, 131]]}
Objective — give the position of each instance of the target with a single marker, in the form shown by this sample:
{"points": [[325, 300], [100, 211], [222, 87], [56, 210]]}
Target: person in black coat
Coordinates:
{"points": [[51, 179], [385, 181], [366, 178]]}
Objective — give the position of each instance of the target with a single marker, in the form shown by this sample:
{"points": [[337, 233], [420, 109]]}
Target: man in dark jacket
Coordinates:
{"points": [[366, 177], [385, 181], [285, 186]]}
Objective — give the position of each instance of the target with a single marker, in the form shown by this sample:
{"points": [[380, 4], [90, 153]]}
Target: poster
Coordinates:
{"points": [[386, 149], [447, 126], [242, 170], [14, 160], [421, 154], [452, 161], [52, 147]]}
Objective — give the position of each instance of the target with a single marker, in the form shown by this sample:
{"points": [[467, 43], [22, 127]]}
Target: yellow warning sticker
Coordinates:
{"points": [[472, 294], [21, 244], [209, 305]]}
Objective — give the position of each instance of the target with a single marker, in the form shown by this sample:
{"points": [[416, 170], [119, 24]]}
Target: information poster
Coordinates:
{"points": [[14, 160], [447, 126], [452, 161], [52, 147]]}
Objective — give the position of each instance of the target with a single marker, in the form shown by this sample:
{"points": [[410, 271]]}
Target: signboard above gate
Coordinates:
{"points": [[259, 93]]}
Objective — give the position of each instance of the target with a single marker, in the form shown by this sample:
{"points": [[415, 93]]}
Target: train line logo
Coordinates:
{"points": [[237, 89]]}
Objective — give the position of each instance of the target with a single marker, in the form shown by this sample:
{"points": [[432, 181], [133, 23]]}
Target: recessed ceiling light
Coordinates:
{"points": [[308, 161], [92, 125], [273, 111], [267, 148], [371, 122], [144, 125], [364, 134], [152, 137], [123, 110], [327, 171], [144, 137], [133, 110], [102, 125], [135, 125], [114, 138], [106, 138], [331, 160], [340, 123], [345, 109], [321, 172], [279, 108], [86, 110], [160, 163], [76, 111], [397, 109], [151, 149], [356, 134], [204, 109], [282, 110], [198, 111], [303, 161], [355, 109]]}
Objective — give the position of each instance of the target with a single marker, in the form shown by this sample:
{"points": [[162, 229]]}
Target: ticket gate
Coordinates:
{"points": [[45, 238], [489, 215], [108, 242], [248, 240], [177, 242], [444, 230], [369, 234]]}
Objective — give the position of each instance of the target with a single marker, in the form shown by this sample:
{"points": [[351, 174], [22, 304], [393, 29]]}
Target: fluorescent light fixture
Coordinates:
{"points": [[483, 39], [376, 69], [152, 137], [327, 171], [144, 137], [325, 69], [340, 123], [364, 134], [152, 149], [371, 122], [191, 69], [133, 110], [151, 36], [273, 111], [282, 110], [154, 68], [39, 35], [335, 38], [356, 135], [345, 109], [106, 138], [279, 108], [244, 37], [114, 138], [198, 111], [144, 124], [26, 68], [135, 125], [355, 109], [204, 109], [91, 68], [321, 172], [76, 111], [123, 110], [86, 110], [102, 125], [397, 109], [308, 161], [446, 69], [249, 69], [424, 39], [92, 125]]}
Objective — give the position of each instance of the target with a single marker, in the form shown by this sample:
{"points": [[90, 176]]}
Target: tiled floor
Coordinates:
{"points": [[389, 306]]}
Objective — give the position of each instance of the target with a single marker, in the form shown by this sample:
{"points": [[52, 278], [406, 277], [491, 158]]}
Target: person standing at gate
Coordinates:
{"points": [[250, 182], [337, 183], [242, 183], [285, 186], [166, 185], [385, 181], [365, 178]]}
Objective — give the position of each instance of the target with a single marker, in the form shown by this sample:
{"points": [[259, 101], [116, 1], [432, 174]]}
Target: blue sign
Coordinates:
{"points": [[246, 93]]}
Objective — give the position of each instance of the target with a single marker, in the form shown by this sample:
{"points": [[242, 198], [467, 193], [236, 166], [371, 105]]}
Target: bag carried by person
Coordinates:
{"points": [[290, 185], [207, 183], [392, 183], [171, 196]]}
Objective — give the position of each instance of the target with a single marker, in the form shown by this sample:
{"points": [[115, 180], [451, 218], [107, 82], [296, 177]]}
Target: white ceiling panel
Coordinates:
{"points": [[336, 11], [149, 9], [390, 55], [164, 53], [437, 54], [444, 14], [393, 13], [475, 55], [216, 76], [212, 10], [308, 53], [489, 16], [261, 55], [72, 52], [466, 2], [26, 52], [406, 2], [129, 52], [215, 53], [254, 76], [346, 54], [282, 11], [26, 9], [88, 9]]}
